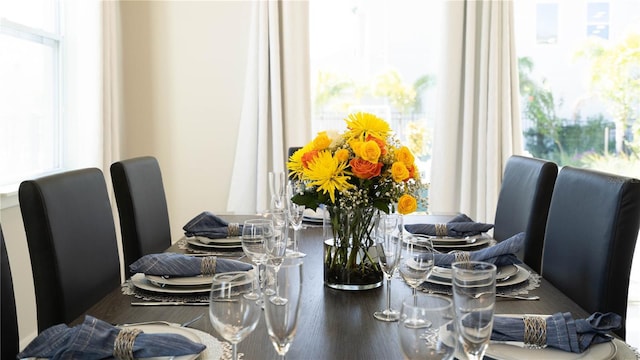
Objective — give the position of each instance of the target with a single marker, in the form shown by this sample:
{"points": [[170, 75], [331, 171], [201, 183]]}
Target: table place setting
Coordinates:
{"points": [[208, 233], [177, 279], [460, 233]]}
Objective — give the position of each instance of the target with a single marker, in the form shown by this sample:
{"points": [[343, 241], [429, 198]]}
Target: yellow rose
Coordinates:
{"points": [[399, 172], [407, 204], [322, 141], [342, 155], [404, 154], [355, 146], [370, 151]]}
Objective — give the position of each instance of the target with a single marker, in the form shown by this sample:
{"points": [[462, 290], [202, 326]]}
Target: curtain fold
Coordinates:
{"points": [[479, 127], [111, 83], [276, 106]]}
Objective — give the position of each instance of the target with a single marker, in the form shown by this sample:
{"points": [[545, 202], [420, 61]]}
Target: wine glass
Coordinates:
{"points": [[233, 314], [474, 296], [435, 341], [296, 213], [276, 188], [282, 318], [276, 244], [253, 235], [388, 236], [416, 262]]}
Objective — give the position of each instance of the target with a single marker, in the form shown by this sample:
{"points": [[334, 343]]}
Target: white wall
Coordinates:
{"points": [[183, 67]]}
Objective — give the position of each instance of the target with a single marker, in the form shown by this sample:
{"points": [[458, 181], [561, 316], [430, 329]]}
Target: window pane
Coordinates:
{"points": [[547, 23], [27, 109], [37, 14]]}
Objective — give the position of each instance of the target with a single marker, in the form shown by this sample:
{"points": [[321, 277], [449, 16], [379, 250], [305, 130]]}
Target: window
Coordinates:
{"points": [[50, 119], [30, 43], [379, 57], [598, 19], [547, 23]]}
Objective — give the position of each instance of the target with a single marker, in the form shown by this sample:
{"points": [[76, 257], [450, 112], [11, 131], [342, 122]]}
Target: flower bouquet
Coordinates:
{"points": [[353, 175]]}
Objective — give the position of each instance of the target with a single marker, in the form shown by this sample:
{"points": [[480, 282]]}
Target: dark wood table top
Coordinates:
{"points": [[333, 324]]}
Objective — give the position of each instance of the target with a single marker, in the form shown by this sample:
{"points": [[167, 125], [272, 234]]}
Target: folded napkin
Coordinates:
{"points": [[96, 339], [172, 264], [459, 226], [208, 225], [559, 330], [501, 254]]}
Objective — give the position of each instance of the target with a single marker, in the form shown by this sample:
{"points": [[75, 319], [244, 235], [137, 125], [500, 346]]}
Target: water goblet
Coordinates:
{"points": [[435, 341], [296, 212], [474, 296], [277, 185], [416, 262], [282, 318], [253, 235], [233, 314], [388, 236], [276, 245]]}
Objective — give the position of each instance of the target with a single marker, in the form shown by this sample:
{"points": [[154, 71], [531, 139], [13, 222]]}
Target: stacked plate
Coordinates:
{"points": [[173, 285], [233, 243], [448, 243], [505, 275]]}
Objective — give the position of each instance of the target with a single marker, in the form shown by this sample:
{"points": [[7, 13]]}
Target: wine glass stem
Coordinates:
{"points": [[295, 240], [388, 293], [234, 351]]}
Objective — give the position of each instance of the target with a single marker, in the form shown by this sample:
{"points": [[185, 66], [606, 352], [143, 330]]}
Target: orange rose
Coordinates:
{"points": [[407, 204], [308, 157], [399, 171], [364, 169]]}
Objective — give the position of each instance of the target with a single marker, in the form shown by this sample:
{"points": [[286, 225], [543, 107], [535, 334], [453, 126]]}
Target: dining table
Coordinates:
{"points": [[333, 324]]}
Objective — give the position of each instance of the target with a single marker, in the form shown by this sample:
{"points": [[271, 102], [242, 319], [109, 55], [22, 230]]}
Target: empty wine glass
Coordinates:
{"points": [[253, 245], [233, 314], [276, 245], [282, 318], [296, 212], [416, 262], [277, 185], [435, 341], [474, 296], [388, 236]]}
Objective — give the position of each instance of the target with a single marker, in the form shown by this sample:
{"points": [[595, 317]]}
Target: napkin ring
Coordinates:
{"points": [[233, 229], [441, 230], [462, 256], [208, 265], [123, 345], [535, 331]]}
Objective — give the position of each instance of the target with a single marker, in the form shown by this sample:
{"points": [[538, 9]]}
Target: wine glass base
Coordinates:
{"points": [[417, 323], [387, 315], [295, 254], [277, 300]]}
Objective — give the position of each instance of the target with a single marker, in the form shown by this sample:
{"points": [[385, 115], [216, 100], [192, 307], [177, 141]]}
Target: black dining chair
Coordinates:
{"points": [[591, 234], [9, 337], [523, 204], [72, 243], [142, 207]]}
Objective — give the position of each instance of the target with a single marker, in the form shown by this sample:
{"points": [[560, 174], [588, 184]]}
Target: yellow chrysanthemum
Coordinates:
{"points": [[322, 141], [295, 162], [328, 174], [362, 124]]}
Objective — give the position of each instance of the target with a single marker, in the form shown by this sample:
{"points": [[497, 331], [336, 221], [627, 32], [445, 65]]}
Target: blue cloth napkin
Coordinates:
{"points": [[94, 339], [208, 225], [563, 332], [501, 254], [172, 264], [460, 226]]}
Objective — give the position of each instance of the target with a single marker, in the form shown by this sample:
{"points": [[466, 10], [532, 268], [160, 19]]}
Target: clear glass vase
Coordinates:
{"points": [[350, 257]]}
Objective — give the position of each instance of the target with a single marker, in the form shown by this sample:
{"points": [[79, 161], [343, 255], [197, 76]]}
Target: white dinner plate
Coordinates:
{"points": [[168, 329], [517, 351], [466, 245], [140, 281], [196, 242], [199, 280], [503, 273], [521, 275], [232, 240]]}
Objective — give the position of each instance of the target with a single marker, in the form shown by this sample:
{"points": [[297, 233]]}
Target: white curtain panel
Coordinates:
{"points": [[111, 82], [479, 124], [276, 98]]}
